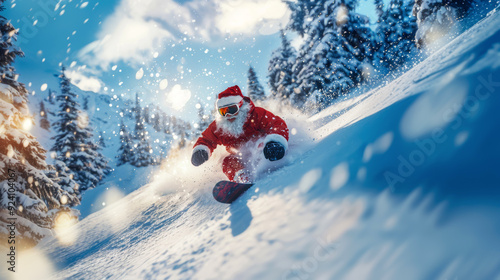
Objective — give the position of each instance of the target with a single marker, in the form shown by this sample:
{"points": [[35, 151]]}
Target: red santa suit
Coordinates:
{"points": [[258, 123]]}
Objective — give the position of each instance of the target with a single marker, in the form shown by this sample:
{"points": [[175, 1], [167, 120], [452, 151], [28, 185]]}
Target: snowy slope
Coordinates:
{"points": [[401, 183]]}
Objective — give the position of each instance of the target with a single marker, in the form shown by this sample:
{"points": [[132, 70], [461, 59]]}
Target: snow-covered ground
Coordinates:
{"points": [[400, 183]]}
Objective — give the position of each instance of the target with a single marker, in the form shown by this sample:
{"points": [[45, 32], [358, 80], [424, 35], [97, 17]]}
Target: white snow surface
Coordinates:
{"points": [[399, 183]]}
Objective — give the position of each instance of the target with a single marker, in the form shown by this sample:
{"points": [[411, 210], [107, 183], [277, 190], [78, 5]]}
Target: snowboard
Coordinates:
{"points": [[227, 192]]}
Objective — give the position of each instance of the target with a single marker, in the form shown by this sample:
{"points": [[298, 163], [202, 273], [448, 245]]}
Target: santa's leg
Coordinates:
{"points": [[231, 165]]}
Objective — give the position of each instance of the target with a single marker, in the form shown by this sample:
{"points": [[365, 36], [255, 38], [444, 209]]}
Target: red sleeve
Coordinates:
{"points": [[274, 126], [208, 138]]}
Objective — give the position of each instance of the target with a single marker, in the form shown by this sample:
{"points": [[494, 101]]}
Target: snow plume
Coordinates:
{"points": [[178, 176], [302, 135], [137, 29]]}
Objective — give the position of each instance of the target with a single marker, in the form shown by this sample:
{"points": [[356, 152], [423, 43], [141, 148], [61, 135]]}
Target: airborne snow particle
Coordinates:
{"points": [[163, 84], [309, 179], [461, 138], [139, 74], [64, 199], [83, 5], [43, 87], [339, 176]]}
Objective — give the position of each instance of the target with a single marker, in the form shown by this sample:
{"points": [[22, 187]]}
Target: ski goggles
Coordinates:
{"points": [[231, 109]]}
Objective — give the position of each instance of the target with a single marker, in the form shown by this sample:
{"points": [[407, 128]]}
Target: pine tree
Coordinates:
{"points": [[331, 61], [126, 150], [157, 119], [62, 175], [26, 193], [147, 118], [301, 13], [396, 33], [9, 51], [203, 121], [101, 143], [73, 142], [379, 8], [142, 155], [255, 89], [139, 124], [281, 69], [51, 97], [85, 103], [166, 124], [437, 18], [44, 121]]}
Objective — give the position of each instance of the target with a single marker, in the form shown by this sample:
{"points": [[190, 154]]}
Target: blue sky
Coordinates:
{"points": [[188, 50]]}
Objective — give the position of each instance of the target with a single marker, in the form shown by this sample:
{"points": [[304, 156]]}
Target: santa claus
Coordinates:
{"points": [[238, 125]]}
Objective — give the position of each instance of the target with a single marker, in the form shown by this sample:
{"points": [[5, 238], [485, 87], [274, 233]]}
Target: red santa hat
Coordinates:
{"points": [[232, 95]]}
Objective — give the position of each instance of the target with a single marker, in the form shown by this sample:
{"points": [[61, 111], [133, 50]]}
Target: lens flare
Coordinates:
{"points": [[64, 228], [27, 124]]}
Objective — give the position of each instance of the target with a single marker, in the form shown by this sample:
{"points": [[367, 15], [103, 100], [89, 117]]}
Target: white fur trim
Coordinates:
{"points": [[277, 138], [203, 148], [228, 100]]}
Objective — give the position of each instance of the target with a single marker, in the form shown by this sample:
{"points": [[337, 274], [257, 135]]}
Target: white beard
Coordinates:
{"points": [[234, 128]]}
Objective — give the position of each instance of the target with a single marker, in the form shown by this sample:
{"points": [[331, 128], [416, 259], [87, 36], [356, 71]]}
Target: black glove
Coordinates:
{"points": [[274, 151], [199, 157]]}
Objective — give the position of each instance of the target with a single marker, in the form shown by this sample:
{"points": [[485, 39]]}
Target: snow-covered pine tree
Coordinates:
{"points": [[9, 51], [166, 123], [101, 143], [255, 89], [126, 149], [437, 18], [379, 8], [146, 116], [51, 97], [85, 103], [338, 46], [74, 140], [142, 153], [44, 121], [301, 14], [396, 34], [62, 175], [157, 119], [355, 29], [139, 123], [35, 198], [280, 69], [203, 120]]}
